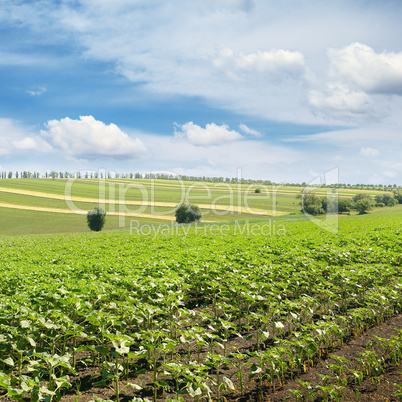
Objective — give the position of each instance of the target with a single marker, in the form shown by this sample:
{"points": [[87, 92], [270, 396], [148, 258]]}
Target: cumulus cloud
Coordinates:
{"points": [[367, 151], [212, 134], [17, 139], [337, 99], [275, 64], [372, 72], [249, 131], [89, 138], [32, 144]]}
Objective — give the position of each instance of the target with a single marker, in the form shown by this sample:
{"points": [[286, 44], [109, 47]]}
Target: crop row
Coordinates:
{"points": [[190, 317]]}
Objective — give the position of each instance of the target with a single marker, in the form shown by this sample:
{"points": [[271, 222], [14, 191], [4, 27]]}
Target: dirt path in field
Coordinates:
{"points": [[70, 202]]}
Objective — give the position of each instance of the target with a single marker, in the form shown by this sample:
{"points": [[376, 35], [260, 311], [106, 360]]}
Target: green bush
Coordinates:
{"points": [[386, 199], [344, 205], [96, 219], [186, 213], [363, 205], [311, 203]]}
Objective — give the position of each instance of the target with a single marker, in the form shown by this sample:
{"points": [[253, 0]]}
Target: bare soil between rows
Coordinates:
{"points": [[380, 388], [377, 389]]}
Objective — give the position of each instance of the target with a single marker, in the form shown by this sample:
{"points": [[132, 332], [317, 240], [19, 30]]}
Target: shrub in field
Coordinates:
{"points": [[361, 196], [186, 213], [311, 203], [364, 205], [386, 199], [398, 195], [96, 219], [344, 205]]}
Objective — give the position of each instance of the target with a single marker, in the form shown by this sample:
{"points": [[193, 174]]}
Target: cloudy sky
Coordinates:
{"points": [[283, 90]]}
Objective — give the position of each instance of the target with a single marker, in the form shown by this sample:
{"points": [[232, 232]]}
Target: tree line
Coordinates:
{"points": [[313, 204], [163, 176]]}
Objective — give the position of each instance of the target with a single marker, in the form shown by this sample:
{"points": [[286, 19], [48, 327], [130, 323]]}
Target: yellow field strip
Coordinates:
{"points": [[227, 208], [81, 212]]}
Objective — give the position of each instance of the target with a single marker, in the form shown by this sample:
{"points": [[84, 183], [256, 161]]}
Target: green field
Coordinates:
{"points": [[200, 313], [29, 206]]}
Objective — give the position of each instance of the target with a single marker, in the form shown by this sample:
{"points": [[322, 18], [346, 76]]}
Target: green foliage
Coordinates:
{"points": [[344, 205], [96, 219], [386, 199], [361, 196], [398, 195], [311, 203], [363, 205], [158, 311], [186, 213]]}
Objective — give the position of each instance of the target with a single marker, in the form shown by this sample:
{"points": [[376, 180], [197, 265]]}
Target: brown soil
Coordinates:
{"points": [[380, 388]]}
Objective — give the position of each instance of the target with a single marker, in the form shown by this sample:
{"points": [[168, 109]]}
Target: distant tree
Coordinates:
{"points": [[10, 175], [386, 199], [96, 219], [363, 205], [311, 203], [398, 195], [344, 205], [53, 174], [186, 213], [361, 196]]}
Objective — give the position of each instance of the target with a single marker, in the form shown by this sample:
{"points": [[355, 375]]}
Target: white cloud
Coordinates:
{"points": [[367, 151], [249, 131], [89, 138], [256, 158], [337, 99], [212, 134], [18, 139], [32, 144], [362, 67], [38, 92], [271, 50], [275, 65]]}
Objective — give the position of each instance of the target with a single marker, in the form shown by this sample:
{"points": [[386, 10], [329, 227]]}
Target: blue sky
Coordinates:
{"points": [[284, 90]]}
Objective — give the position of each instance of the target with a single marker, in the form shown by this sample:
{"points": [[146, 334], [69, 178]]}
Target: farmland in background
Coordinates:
{"points": [[275, 310], [29, 206]]}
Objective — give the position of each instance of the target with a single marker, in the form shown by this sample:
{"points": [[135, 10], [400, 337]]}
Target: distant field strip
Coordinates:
{"points": [[82, 212], [228, 208]]}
